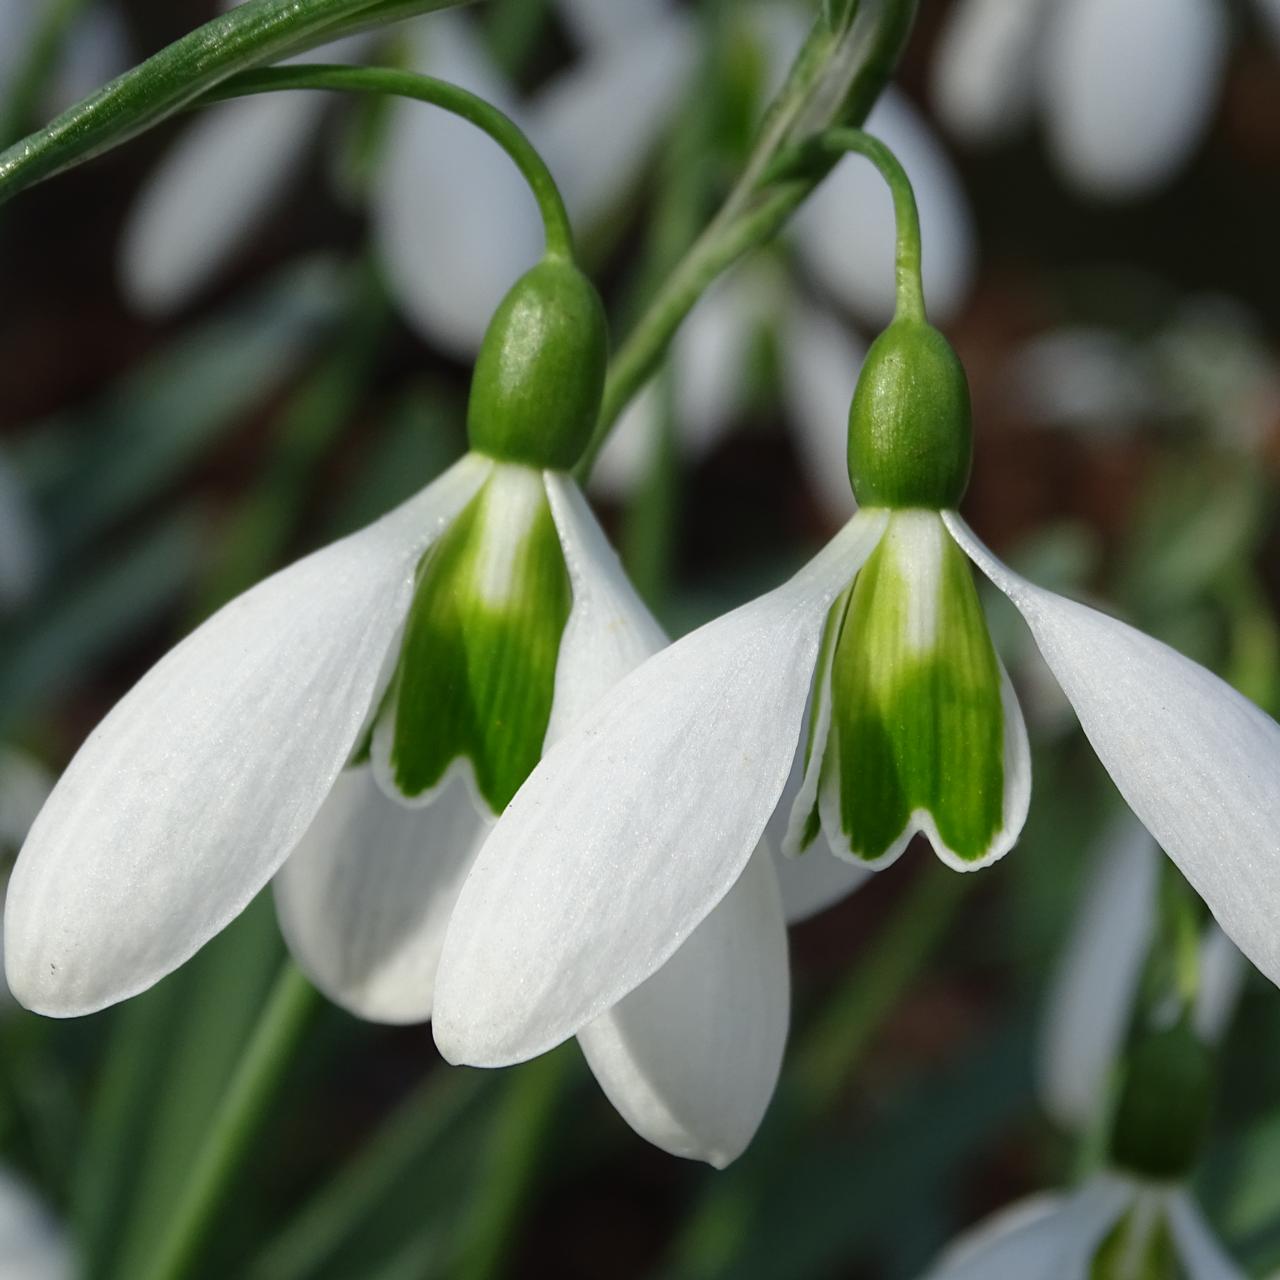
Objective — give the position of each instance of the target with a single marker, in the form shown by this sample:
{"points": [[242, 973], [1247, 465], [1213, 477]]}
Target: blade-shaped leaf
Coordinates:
{"points": [[251, 35]]}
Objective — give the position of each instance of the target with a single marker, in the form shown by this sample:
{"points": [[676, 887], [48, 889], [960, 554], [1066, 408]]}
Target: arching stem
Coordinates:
{"points": [[439, 93]]}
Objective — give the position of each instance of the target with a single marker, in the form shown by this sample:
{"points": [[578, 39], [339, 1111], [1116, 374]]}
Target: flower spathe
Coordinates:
{"points": [[640, 820]]}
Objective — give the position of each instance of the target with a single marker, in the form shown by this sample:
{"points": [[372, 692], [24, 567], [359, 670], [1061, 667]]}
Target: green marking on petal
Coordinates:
{"points": [[917, 717], [1139, 1246], [477, 668]]}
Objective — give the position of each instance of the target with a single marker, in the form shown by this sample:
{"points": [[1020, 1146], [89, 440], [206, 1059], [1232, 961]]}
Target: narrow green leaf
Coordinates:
{"points": [[251, 35], [478, 665]]}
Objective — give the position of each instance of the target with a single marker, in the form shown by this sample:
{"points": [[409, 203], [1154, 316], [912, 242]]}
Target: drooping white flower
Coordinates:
{"points": [[445, 199], [1126, 89], [33, 1246], [640, 820], [1121, 1223], [1095, 986]]}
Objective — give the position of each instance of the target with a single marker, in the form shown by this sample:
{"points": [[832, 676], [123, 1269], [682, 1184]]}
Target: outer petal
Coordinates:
{"points": [[1091, 999], [610, 632], [1222, 975], [820, 366], [453, 217], [636, 823], [191, 793], [983, 68], [32, 1247], [846, 232], [691, 1057], [1129, 88], [1047, 1244], [1200, 1253], [364, 899], [636, 85], [1198, 763]]}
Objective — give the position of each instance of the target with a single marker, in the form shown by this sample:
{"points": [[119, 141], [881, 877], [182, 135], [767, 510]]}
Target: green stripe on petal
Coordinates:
{"points": [[1139, 1246], [918, 728], [477, 667]]}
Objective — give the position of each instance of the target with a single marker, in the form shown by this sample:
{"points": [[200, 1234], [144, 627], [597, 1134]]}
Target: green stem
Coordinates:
{"points": [[251, 1089], [837, 142], [439, 93], [862, 61]]}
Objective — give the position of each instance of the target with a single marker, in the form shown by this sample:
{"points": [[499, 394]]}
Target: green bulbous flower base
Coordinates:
{"points": [[476, 674], [1164, 1106], [539, 377], [910, 425]]}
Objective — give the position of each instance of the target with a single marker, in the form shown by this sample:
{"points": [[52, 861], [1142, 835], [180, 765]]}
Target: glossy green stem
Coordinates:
{"points": [[838, 142], [252, 1087], [859, 62], [439, 93]]}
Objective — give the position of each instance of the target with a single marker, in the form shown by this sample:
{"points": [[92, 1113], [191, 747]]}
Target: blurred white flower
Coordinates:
{"points": [[452, 218], [841, 243], [94, 50], [1131, 1222], [1094, 989], [33, 1246], [1126, 90]]}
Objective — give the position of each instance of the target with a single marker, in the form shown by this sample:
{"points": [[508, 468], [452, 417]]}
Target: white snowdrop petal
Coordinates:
{"points": [[1129, 88], [609, 631], [690, 1058], [636, 85], [32, 1245], [1198, 763], [1091, 996], [455, 222], [1043, 1241], [846, 233], [984, 72], [364, 899], [190, 794], [636, 824], [1202, 1257], [1223, 971], [820, 365], [207, 195]]}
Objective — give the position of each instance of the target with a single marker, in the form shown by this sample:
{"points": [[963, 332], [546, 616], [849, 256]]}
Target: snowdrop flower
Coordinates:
{"points": [[352, 726], [1114, 1225], [1126, 89], [643, 817], [32, 1245], [1095, 987], [842, 238], [454, 225]]}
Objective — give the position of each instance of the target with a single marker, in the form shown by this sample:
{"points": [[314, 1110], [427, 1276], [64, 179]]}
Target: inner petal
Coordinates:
{"points": [[918, 728], [476, 675]]}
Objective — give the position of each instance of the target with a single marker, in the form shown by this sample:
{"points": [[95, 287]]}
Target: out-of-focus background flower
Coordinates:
{"points": [[244, 334]]}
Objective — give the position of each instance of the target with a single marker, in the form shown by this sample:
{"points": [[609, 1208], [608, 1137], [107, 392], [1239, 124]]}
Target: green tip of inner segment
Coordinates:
{"points": [[539, 378], [910, 426]]}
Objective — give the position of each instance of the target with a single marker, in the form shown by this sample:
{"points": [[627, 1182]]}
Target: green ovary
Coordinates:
{"points": [[476, 675], [917, 718]]}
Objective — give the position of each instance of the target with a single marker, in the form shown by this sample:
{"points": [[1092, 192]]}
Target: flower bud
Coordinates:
{"points": [[1164, 1105], [910, 432], [535, 393]]}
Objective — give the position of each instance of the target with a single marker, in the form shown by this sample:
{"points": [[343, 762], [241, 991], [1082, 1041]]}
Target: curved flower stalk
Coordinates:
{"points": [[841, 240], [1126, 90], [442, 203], [1095, 986], [640, 820], [1115, 1225], [32, 1245]]}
